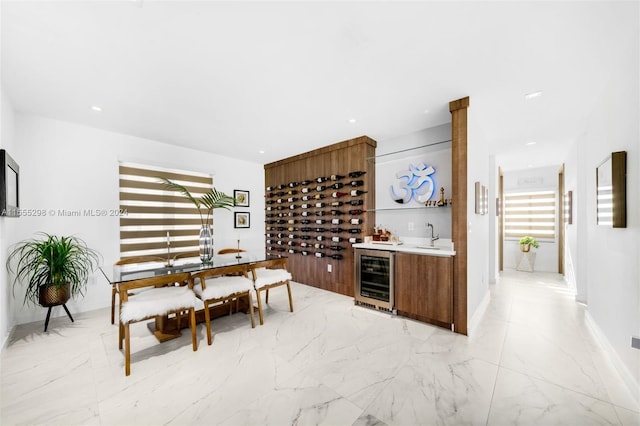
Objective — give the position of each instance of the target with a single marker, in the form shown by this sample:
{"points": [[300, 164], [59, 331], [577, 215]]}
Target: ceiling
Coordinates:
{"points": [[237, 78]]}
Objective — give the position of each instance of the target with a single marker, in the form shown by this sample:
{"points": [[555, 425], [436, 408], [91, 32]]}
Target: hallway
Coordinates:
{"points": [[531, 361]]}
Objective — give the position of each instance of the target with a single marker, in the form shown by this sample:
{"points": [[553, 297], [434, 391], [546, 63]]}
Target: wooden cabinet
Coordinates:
{"points": [[424, 288]]}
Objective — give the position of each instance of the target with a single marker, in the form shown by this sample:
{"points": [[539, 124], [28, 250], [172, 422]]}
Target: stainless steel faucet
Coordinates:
{"points": [[430, 226]]}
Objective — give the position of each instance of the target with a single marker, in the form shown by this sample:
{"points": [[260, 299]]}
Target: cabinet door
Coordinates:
{"points": [[424, 287]]}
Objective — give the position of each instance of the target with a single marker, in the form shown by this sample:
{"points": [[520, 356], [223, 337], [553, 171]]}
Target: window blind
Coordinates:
{"points": [[155, 215], [530, 213]]}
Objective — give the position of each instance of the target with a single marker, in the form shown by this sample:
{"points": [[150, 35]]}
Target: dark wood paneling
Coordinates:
{"points": [[340, 158], [424, 288], [458, 111]]}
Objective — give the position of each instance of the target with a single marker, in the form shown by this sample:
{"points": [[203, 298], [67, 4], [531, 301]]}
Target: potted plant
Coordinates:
{"points": [[211, 200], [526, 242], [52, 268]]}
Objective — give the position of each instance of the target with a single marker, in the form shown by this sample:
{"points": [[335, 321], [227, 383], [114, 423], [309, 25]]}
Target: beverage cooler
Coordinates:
{"points": [[374, 276]]}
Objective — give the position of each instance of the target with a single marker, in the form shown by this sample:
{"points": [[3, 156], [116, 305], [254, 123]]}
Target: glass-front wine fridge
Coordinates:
{"points": [[374, 272]]}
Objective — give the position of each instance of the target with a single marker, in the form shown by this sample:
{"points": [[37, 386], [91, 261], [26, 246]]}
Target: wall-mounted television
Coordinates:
{"points": [[9, 186]]}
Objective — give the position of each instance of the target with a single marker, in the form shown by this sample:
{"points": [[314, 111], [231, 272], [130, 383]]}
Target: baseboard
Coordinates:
{"points": [[7, 339], [621, 368], [479, 312]]}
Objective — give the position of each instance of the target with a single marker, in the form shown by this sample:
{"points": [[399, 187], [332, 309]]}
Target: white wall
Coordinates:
{"points": [[478, 241], [538, 179], [67, 166], [607, 259], [7, 224]]}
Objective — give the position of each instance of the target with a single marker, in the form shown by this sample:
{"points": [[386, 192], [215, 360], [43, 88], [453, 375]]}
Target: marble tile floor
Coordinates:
{"points": [[530, 361]]}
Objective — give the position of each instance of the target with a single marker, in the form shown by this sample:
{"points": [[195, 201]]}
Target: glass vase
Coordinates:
{"points": [[206, 245]]}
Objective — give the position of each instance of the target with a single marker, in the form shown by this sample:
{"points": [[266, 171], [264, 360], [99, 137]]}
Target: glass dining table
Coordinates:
{"points": [[166, 328]]}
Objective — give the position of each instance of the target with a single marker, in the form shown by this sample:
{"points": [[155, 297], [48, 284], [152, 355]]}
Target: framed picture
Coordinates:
{"points": [[9, 186], [568, 208], [242, 220], [611, 191], [242, 198], [478, 198]]}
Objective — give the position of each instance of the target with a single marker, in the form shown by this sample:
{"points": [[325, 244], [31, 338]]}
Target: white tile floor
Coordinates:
{"points": [[531, 361]]}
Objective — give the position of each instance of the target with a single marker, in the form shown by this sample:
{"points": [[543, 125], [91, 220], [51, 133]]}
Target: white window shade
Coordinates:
{"points": [[530, 213]]}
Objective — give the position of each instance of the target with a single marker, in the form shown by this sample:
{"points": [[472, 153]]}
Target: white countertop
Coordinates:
{"points": [[441, 248]]}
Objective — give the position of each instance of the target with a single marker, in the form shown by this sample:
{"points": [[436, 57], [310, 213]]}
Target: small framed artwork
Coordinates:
{"points": [[241, 197], [611, 191], [478, 198], [242, 220], [568, 208]]}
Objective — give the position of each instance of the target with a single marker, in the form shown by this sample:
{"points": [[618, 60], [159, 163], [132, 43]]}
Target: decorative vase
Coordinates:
{"points": [[206, 245], [53, 296], [525, 248]]}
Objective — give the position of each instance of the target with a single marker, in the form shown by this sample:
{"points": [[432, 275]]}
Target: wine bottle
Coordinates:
{"points": [[292, 243], [293, 184], [269, 208], [337, 248], [281, 221], [321, 213], [357, 183], [305, 237], [293, 206], [280, 194], [306, 197], [319, 254], [269, 188], [291, 199], [305, 221], [292, 236], [337, 177], [356, 221], [280, 208], [269, 222], [269, 194], [336, 221], [321, 230], [291, 229], [304, 253], [336, 203], [268, 241], [322, 179], [305, 245], [320, 188], [318, 246], [270, 202], [354, 230], [305, 229], [292, 192], [319, 196], [357, 192], [281, 186], [336, 230], [320, 221], [305, 190], [292, 251], [336, 213], [319, 238], [356, 174], [357, 211], [305, 213], [279, 200], [305, 182], [336, 239], [337, 185], [279, 242], [356, 202], [305, 206], [292, 214], [354, 240], [339, 194], [336, 256], [280, 235], [292, 221], [320, 205]]}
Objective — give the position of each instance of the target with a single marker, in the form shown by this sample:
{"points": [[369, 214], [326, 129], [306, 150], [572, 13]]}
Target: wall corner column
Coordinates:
{"points": [[458, 109]]}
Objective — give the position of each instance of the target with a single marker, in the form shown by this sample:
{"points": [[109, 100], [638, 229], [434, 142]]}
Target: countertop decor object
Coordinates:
{"points": [[526, 243]]}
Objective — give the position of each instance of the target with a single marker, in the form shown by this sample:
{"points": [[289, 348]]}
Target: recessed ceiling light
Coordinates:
{"points": [[530, 143], [96, 108], [533, 95], [426, 111], [261, 151], [352, 120]]}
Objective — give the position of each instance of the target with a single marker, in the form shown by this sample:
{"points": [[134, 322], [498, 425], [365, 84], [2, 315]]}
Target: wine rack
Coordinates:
{"points": [[330, 212]]}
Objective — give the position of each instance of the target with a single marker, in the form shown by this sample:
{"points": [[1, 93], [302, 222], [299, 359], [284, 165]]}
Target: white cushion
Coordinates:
{"points": [[221, 287], [157, 301], [266, 276]]}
